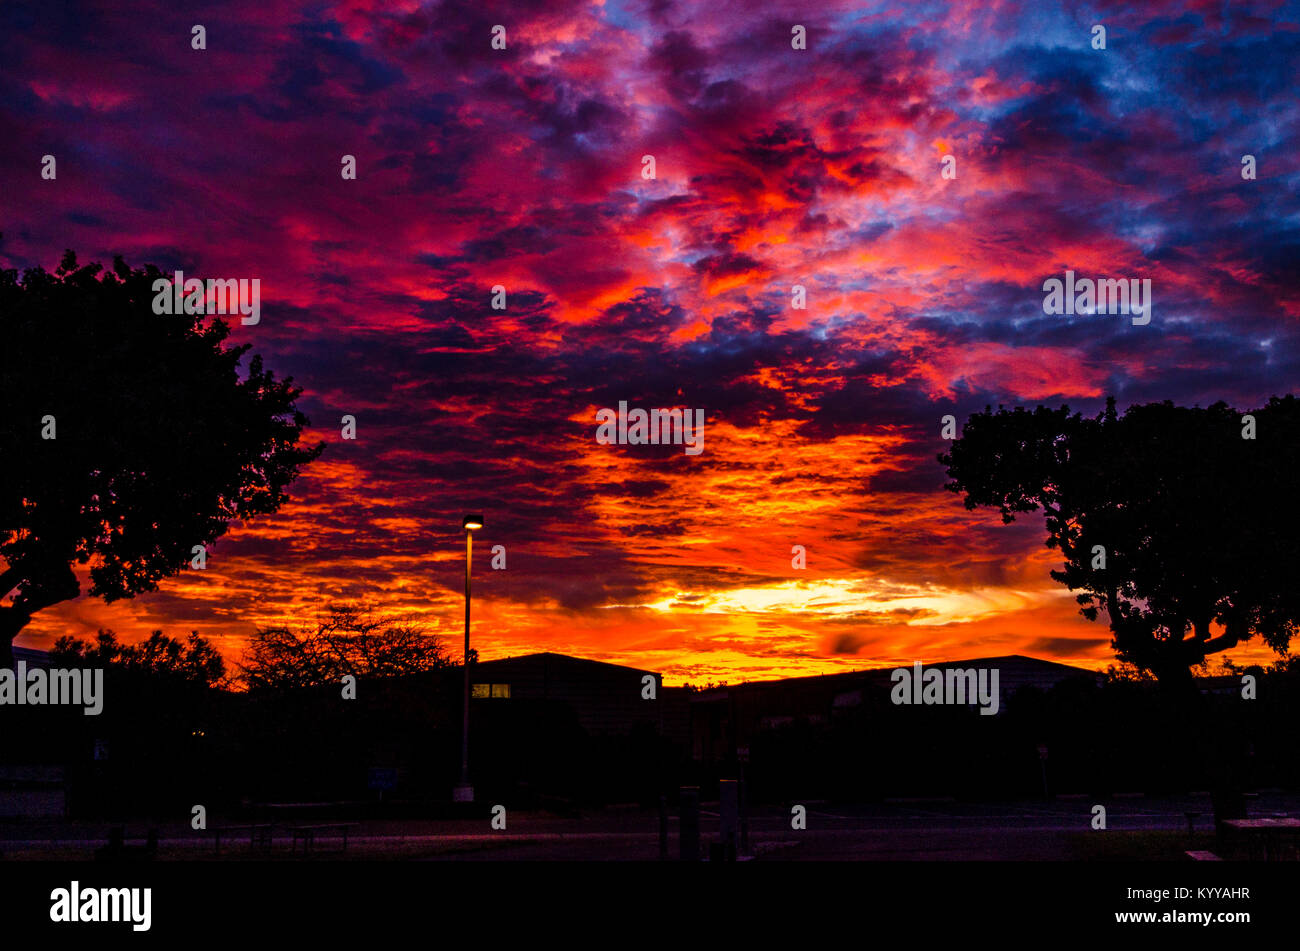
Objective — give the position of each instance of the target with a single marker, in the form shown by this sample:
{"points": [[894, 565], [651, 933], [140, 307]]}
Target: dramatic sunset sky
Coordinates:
{"points": [[775, 167]]}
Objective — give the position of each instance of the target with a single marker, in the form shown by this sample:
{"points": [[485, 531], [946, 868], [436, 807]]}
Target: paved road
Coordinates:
{"points": [[894, 831]]}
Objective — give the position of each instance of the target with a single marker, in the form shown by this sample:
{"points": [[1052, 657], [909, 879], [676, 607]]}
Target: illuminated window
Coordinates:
{"points": [[501, 690], [486, 691]]}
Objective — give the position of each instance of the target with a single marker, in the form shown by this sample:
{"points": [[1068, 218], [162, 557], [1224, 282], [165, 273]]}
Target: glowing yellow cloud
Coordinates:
{"points": [[925, 604]]}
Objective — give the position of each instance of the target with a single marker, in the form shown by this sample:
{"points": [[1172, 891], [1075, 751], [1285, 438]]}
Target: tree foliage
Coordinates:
{"points": [[159, 439], [1198, 525], [350, 640], [193, 662]]}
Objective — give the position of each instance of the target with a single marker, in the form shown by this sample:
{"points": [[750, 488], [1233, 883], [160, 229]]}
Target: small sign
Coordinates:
{"points": [[384, 780], [742, 754], [1042, 751]]}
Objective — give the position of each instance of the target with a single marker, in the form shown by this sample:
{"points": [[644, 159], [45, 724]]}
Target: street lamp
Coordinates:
{"points": [[465, 792]]}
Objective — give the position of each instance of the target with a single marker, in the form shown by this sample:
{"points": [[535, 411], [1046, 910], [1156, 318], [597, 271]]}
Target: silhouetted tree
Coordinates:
{"points": [[158, 441], [351, 639], [194, 662], [1197, 525], [710, 685]]}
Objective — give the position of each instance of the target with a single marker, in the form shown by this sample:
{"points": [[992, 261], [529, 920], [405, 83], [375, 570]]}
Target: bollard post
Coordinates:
{"points": [[744, 808], [729, 801], [663, 828], [689, 828]]}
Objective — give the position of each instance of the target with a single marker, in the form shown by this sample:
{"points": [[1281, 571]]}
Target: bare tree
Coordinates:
{"points": [[351, 639]]}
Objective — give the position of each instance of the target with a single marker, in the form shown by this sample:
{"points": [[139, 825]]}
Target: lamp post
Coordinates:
{"points": [[464, 792]]}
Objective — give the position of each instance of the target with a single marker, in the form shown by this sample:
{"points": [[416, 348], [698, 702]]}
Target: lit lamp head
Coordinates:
{"points": [[471, 522]]}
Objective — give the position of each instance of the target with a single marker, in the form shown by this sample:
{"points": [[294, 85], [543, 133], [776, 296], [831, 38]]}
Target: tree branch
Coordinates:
{"points": [[1234, 632], [9, 579]]}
